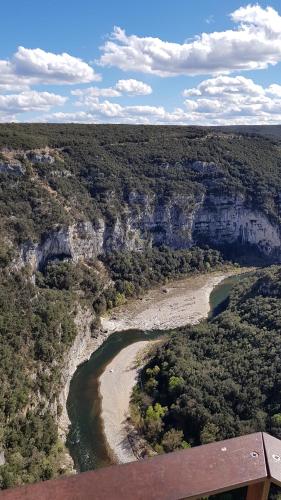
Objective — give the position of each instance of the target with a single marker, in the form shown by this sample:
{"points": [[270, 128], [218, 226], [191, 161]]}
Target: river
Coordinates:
{"points": [[86, 440]]}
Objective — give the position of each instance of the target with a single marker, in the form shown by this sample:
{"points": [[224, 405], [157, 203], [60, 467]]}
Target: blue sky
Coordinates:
{"points": [[182, 61]]}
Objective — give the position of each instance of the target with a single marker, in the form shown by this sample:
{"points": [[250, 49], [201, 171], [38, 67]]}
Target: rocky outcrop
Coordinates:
{"points": [[40, 157], [81, 240], [12, 167], [227, 220], [14, 161]]}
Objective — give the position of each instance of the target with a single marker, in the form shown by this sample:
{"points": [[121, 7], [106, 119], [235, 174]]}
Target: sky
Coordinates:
{"points": [[204, 62]]}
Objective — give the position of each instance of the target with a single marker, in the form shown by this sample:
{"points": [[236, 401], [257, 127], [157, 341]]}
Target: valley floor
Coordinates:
{"points": [[181, 302]]}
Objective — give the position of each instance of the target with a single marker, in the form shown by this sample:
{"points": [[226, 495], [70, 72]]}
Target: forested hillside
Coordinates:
{"points": [[219, 379], [37, 327], [96, 168]]}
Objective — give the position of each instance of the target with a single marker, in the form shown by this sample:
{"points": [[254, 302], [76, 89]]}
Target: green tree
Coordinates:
{"points": [[173, 440]]}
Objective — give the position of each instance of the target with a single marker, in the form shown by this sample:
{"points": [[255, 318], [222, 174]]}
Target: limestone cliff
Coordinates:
{"points": [[179, 222], [222, 220]]}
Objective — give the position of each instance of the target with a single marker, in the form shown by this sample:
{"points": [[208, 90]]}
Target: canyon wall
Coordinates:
{"points": [[177, 223]]}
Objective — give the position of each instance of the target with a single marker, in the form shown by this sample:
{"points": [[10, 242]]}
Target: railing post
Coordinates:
{"points": [[258, 491]]}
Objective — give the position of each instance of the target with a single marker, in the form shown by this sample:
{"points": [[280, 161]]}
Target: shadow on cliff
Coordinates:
{"points": [[247, 255]]}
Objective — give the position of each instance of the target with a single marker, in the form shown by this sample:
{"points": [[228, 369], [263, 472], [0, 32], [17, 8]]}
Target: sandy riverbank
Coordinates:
{"points": [[182, 302], [116, 385]]}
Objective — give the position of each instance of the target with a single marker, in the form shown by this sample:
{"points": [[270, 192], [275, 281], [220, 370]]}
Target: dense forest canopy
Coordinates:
{"points": [[221, 378]]}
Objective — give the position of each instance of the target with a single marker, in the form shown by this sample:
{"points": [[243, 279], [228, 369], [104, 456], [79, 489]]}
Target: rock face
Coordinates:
{"points": [[177, 223], [84, 345], [80, 351], [40, 157], [14, 161], [12, 167], [228, 220], [81, 240]]}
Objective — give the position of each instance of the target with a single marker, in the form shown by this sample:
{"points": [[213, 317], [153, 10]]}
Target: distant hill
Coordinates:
{"points": [[270, 131], [143, 179]]}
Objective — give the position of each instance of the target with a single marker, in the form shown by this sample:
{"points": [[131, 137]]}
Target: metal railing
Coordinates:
{"points": [[252, 461]]}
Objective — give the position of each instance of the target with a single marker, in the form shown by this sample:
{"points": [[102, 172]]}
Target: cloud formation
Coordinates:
{"points": [[109, 112], [216, 101], [96, 92], [9, 82], [128, 87], [133, 87], [35, 66], [227, 99], [254, 44], [30, 101], [29, 67], [46, 67]]}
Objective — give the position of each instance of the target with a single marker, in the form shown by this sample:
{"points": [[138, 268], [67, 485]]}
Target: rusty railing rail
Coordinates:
{"points": [[253, 460]]}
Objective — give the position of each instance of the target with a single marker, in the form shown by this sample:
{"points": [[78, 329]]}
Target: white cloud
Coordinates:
{"points": [[225, 84], [108, 112], [128, 87], [274, 89], [7, 118], [255, 15], [106, 108], [222, 100], [254, 44], [9, 82], [35, 66], [29, 101], [133, 87], [46, 67], [96, 92], [228, 100]]}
